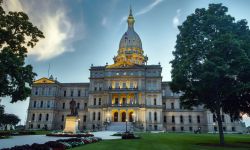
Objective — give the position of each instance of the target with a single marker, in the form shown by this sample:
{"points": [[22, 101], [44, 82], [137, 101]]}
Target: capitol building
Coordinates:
{"points": [[127, 91]]}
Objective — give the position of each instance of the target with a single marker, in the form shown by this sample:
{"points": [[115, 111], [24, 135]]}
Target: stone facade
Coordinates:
{"points": [[128, 90]]}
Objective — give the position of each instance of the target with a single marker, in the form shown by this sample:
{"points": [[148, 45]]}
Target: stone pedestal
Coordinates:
{"points": [[71, 124]]}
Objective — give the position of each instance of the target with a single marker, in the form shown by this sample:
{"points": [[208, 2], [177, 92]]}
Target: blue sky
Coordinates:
{"points": [[84, 32]]}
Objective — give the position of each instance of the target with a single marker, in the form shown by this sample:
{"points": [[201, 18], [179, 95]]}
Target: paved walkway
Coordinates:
{"points": [[30, 139]]}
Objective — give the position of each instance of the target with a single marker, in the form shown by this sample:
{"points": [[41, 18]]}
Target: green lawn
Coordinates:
{"points": [[170, 141]]}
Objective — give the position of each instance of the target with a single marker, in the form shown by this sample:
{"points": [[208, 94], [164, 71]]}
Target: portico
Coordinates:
{"points": [[122, 115]]}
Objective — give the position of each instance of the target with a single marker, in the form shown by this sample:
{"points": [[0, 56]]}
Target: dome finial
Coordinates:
{"points": [[130, 10], [131, 19]]}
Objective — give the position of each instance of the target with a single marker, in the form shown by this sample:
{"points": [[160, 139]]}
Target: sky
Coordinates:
{"points": [[79, 33]]}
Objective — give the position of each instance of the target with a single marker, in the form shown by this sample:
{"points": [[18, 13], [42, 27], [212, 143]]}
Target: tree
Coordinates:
{"points": [[11, 119], [211, 64], [17, 33]]}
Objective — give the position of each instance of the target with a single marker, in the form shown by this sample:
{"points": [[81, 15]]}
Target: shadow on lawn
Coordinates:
{"points": [[231, 145]]}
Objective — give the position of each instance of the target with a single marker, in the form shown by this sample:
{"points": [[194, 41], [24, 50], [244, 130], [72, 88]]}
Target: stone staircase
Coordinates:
{"points": [[120, 126]]}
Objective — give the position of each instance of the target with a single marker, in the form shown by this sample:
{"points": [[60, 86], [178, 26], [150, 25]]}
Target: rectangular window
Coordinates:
{"points": [[47, 117], [173, 128], [155, 101], [41, 104], [63, 106], [34, 104], [182, 128], [62, 118], [190, 119], [64, 93], [165, 119], [71, 93], [78, 105], [85, 105], [181, 119], [172, 105], [100, 101], [149, 116], [84, 118], [198, 119], [224, 128], [48, 104], [190, 128], [233, 129], [93, 115], [94, 101], [99, 116], [79, 93], [36, 91]]}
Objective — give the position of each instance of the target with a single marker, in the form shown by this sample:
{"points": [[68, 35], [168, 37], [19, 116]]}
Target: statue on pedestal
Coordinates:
{"points": [[73, 108], [72, 120]]}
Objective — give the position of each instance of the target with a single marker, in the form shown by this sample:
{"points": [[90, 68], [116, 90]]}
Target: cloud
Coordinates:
{"points": [[104, 21], [144, 10], [148, 8], [51, 18], [176, 19]]}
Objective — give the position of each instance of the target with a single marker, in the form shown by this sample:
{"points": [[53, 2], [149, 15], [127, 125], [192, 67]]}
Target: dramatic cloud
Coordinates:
{"points": [[144, 10], [53, 21], [176, 19]]}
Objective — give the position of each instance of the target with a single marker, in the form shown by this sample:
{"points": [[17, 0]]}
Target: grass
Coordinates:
{"points": [[172, 141]]}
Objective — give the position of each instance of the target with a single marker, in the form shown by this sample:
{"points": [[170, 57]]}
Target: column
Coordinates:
{"points": [[127, 102], [119, 118], [119, 98], [110, 99]]}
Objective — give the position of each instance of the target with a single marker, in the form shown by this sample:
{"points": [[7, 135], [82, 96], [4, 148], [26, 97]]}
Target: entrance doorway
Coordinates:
{"points": [[116, 117], [123, 116], [131, 117]]}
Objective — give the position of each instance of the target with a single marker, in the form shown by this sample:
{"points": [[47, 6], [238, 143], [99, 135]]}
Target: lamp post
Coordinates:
{"points": [[126, 125], [29, 124]]}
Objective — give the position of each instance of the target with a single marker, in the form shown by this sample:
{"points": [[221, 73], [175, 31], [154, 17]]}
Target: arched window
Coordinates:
{"points": [[33, 117], [40, 117], [47, 117], [155, 116], [173, 119]]}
